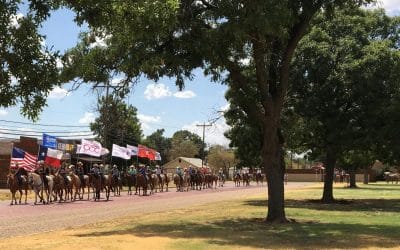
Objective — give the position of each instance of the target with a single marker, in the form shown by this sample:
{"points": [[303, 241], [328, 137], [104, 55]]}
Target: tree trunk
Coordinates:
{"points": [[330, 162], [274, 165], [366, 175], [352, 172]]}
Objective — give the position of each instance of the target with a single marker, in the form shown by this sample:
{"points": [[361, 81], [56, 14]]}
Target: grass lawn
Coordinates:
{"points": [[367, 217]]}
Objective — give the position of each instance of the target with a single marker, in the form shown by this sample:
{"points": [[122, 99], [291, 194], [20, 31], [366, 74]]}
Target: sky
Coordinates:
{"points": [[160, 105]]}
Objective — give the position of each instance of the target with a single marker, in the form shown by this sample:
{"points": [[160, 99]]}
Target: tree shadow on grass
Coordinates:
{"points": [[244, 232], [367, 205]]}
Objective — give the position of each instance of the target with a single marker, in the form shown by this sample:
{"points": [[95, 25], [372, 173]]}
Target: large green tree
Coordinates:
{"points": [[346, 73], [117, 123], [174, 37], [185, 143], [28, 69]]}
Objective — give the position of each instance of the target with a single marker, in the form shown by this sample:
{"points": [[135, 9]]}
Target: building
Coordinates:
{"points": [[183, 162]]}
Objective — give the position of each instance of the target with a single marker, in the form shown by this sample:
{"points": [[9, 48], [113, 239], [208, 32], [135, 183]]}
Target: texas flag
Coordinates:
{"points": [[53, 157]]}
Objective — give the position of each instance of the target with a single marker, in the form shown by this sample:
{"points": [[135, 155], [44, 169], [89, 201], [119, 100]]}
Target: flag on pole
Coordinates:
{"points": [[23, 159], [158, 156], [53, 157], [42, 153], [49, 141], [92, 148], [134, 150], [142, 151], [121, 152]]}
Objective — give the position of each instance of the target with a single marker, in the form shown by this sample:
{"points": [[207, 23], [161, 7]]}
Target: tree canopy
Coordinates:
{"points": [[117, 123], [28, 68]]}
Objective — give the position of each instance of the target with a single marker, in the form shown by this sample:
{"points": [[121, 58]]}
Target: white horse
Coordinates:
{"points": [[38, 187]]}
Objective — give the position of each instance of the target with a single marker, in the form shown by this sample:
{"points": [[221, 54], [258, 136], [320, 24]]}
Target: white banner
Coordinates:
{"points": [[134, 150], [158, 156], [121, 152], [92, 148]]}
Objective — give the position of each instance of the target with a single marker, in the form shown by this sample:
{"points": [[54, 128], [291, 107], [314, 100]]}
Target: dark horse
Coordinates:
{"points": [[246, 179], [260, 178], [141, 183], [130, 181]]}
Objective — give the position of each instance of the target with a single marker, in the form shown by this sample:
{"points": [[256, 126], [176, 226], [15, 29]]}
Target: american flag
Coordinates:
{"points": [[24, 159]]}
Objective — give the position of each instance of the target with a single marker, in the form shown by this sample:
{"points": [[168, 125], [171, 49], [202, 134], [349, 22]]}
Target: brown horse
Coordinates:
{"points": [[182, 184], [221, 180], [97, 184], [246, 179], [15, 186], [130, 181], [260, 178], [237, 179], [116, 185], [141, 183], [60, 189]]}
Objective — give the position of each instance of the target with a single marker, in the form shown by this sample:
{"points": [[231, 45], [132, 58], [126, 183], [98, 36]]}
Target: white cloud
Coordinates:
{"points": [[146, 121], [156, 91], [3, 112], [213, 135], [58, 93], [392, 7], [87, 118], [185, 94]]}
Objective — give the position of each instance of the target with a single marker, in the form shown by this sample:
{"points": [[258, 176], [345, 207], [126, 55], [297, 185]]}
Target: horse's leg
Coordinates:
{"points": [[20, 195]]}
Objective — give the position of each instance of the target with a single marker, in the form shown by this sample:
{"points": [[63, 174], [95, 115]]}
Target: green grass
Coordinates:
{"points": [[369, 217]]}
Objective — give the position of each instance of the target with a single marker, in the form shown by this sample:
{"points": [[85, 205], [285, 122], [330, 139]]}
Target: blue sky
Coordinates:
{"points": [[160, 105]]}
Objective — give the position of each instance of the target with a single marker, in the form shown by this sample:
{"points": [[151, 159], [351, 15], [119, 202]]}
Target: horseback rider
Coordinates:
{"points": [[42, 172], [80, 172], [115, 173], [132, 170], [95, 170], [221, 173], [158, 172], [142, 171], [19, 174], [63, 173], [179, 173], [238, 173]]}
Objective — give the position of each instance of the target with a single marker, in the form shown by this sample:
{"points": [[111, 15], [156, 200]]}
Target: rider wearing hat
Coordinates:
{"points": [[115, 173], [158, 172], [63, 173], [42, 172], [179, 173], [79, 171], [19, 174]]}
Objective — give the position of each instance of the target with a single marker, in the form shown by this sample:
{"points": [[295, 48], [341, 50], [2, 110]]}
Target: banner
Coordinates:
{"points": [[158, 156], [65, 146], [134, 150], [53, 157], [49, 141], [92, 148], [42, 153], [23, 159], [120, 152]]}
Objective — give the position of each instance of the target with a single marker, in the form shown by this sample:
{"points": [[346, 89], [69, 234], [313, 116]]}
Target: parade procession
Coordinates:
{"points": [[57, 176]]}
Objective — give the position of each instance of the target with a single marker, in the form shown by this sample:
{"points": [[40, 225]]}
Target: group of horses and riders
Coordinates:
{"points": [[245, 175], [197, 178]]}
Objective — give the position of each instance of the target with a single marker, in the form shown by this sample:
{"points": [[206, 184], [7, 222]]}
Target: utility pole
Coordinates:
{"points": [[204, 125]]}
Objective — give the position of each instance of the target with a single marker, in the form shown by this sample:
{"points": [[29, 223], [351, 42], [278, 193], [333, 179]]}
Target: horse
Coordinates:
{"points": [[108, 182], [76, 185], [130, 181], [97, 182], [391, 177], [246, 179], [37, 185], [163, 180], [141, 182], [260, 178], [237, 179], [221, 180], [153, 183], [116, 185], [85, 183], [14, 185], [60, 188]]}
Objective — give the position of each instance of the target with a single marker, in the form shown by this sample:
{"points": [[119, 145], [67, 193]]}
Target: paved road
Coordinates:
{"points": [[30, 219]]}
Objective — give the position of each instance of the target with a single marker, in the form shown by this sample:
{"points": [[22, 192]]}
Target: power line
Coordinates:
{"points": [[44, 125], [42, 131]]}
